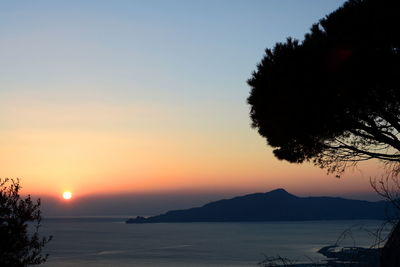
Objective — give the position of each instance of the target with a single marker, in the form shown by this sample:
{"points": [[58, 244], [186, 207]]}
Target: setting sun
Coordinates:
{"points": [[67, 195]]}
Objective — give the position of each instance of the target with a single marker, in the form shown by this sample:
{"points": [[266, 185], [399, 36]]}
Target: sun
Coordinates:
{"points": [[67, 195]]}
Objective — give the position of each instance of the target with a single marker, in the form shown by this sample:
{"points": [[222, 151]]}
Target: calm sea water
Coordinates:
{"points": [[111, 242]]}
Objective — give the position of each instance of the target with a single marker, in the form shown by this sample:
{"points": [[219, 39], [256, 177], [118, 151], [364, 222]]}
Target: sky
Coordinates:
{"points": [[147, 98]]}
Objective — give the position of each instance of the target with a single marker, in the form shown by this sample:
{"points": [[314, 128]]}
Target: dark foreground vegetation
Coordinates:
{"points": [[334, 98], [20, 218]]}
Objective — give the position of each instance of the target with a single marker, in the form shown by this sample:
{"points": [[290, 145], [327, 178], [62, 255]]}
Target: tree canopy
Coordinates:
{"points": [[20, 243], [333, 98]]}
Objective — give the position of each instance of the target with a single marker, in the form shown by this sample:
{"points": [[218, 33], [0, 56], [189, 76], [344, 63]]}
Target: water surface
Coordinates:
{"points": [[110, 242]]}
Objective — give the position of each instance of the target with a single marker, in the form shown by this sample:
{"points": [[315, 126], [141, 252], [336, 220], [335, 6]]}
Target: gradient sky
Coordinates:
{"points": [[142, 97]]}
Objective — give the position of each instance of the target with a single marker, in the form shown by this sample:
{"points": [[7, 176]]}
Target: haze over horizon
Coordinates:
{"points": [[146, 100], [132, 205]]}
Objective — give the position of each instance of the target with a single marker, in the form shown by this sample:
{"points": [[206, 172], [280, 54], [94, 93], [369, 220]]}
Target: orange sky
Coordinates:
{"points": [[109, 162]]}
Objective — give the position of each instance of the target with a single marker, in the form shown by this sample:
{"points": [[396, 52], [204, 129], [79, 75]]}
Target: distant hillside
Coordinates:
{"points": [[277, 205]]}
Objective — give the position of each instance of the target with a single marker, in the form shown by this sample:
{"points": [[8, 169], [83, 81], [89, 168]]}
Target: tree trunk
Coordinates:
{"points": [[390, 256]]}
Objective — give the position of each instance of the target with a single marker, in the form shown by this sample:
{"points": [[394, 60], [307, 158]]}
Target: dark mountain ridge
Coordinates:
{"points": [[276, 205]]}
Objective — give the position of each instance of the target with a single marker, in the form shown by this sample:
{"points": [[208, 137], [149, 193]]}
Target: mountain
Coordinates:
{"points": [[276, 205]]}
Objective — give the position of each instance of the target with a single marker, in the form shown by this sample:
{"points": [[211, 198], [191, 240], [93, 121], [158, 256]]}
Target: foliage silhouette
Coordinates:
{"points": [[388, 186], [20, 218], [334, 98]]}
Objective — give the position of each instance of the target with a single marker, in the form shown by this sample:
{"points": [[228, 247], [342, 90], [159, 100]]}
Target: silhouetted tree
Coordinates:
{"points": [[20, 243], [334, 98], [388, 186]]}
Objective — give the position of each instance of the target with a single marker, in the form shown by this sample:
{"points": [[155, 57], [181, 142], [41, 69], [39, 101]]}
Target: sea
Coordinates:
{"points": [[109, 241]]}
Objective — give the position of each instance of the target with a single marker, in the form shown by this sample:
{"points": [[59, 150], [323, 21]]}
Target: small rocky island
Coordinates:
{"points": [[276, 205], [337, 256], [351, 256]]}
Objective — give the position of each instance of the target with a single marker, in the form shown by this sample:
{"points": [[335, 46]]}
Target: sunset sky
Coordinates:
{"points": [[137, 97]]}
